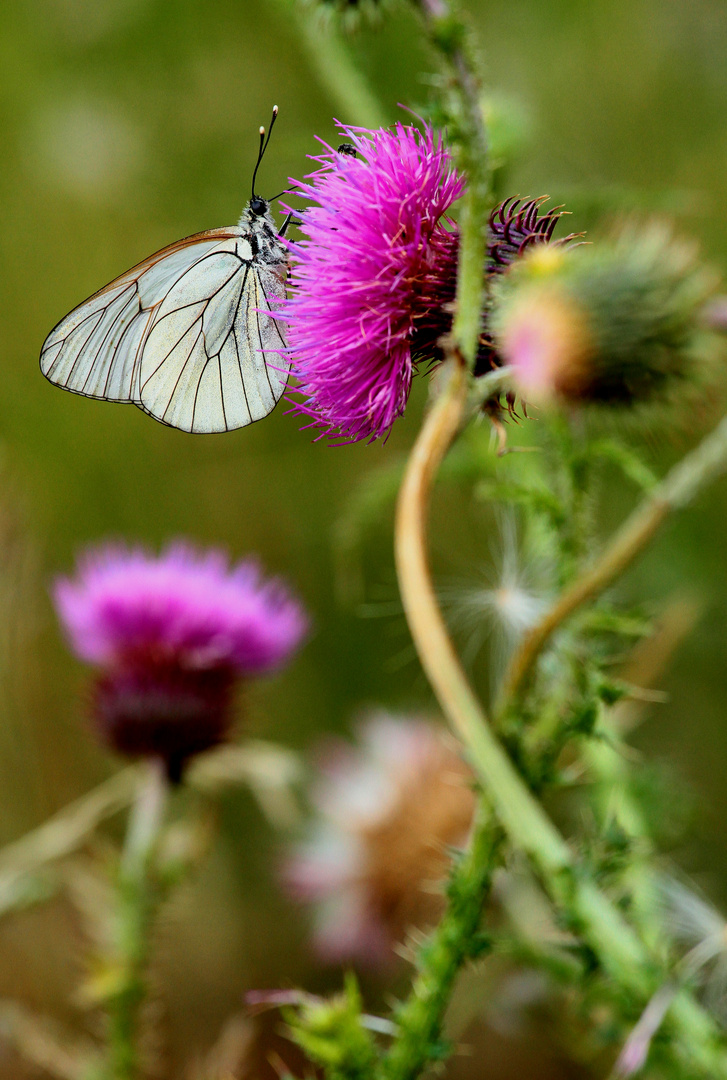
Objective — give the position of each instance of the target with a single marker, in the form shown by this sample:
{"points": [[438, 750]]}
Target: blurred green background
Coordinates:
{"points": [[127, 124]]}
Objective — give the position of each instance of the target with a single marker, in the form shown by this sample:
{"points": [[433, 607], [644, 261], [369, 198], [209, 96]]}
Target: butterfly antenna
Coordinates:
{"points": [[263, 146]]}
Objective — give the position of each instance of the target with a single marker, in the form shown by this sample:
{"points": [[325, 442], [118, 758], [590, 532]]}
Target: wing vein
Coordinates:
{"points": [[242, 377], [182, 370], [278, 331], [260, 338], [237, 312], [117, 316], [196, 391]]}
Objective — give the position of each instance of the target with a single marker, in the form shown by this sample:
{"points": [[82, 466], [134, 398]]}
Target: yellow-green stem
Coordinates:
{"points": [[520, 813], [450, 36], [470, 278]]}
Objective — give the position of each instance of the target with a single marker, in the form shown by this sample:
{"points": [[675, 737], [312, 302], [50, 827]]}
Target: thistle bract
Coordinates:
{"points": [[515, 227]]}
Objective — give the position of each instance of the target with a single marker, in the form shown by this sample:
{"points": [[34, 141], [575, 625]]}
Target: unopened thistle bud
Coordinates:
{"points": [[617, 323], [515, 227]]}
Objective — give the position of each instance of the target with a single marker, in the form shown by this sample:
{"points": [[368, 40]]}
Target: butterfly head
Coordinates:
{"points": [[259, 207]]}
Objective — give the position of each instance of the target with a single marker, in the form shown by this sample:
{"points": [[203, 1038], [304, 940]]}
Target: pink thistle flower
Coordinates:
{"points": [[372, 276], [388, 811], [172, 634]]}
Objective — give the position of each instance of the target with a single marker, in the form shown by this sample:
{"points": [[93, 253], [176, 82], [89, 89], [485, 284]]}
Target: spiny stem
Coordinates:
{"points": [[135, 909], [419, 1019], [450, 36], [675, 491]]}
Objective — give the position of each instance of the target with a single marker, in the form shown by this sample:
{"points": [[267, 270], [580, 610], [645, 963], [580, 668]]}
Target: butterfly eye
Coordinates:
{"points": [[258, 206]]}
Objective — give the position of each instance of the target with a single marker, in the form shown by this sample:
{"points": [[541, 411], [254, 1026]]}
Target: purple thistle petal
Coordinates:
{"points": [[184, 604], [366, 274]]}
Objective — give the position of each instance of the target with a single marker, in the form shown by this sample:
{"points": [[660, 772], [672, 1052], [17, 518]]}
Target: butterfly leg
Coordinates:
{"points": [[289, 219]]}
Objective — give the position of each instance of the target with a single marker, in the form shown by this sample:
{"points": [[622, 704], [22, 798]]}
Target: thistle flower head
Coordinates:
{"points": [[172, 634], [387, 811], [371, 276]]}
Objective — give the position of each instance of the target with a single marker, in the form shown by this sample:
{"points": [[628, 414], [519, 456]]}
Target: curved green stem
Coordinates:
{"points": [[520, 813]]}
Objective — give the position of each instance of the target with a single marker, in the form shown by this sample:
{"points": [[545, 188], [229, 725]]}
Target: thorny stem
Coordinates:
{"points": [[450, 36], [419, 1019], [622, 954], [616, 804], [136, 896], [675, 491]]}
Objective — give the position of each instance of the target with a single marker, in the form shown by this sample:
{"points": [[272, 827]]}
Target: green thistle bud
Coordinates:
{"points": [[617, 323]]}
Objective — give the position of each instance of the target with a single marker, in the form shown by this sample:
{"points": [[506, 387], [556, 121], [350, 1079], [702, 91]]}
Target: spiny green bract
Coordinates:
{"points": [[332, 1035]]}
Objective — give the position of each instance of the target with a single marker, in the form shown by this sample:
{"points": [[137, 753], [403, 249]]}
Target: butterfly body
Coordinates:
{"points": [[188, 335]]}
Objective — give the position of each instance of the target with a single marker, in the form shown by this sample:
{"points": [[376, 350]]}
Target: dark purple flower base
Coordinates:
{"points": [[164, 711]]}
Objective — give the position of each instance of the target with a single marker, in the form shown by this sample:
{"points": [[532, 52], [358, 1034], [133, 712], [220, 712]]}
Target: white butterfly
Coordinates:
{"points": [[188, 335]]}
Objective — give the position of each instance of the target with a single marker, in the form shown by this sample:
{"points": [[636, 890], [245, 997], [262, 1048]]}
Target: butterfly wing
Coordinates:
{"points": [[97, 348], [210, 361]]}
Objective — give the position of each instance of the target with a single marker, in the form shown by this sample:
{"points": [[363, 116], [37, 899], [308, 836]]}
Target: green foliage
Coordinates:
{"points": [[351, 14]]}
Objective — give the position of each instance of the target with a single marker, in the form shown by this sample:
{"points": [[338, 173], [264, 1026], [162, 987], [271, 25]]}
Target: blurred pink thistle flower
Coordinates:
{"points": [[172, 635], [372, 276], [388, 811]]}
